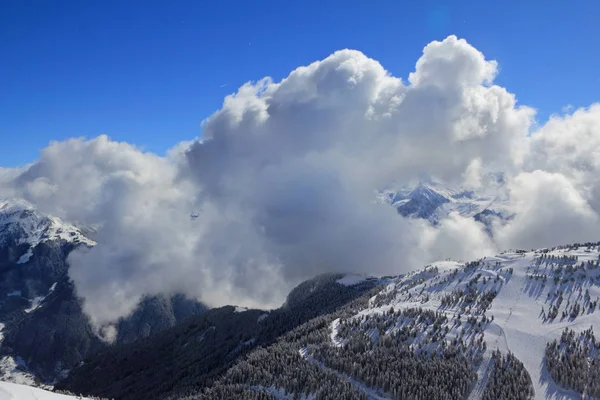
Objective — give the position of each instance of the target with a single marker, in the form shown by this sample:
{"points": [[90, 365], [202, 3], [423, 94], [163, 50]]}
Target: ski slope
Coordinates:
{"points": [[523, 283]]}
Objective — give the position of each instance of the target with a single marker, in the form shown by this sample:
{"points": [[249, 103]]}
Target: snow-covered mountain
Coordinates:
{"points": [[433, 201], [516, 302], [22, 225]]}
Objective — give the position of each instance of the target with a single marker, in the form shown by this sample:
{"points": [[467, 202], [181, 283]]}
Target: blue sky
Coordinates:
{"points": [[148, 72]]}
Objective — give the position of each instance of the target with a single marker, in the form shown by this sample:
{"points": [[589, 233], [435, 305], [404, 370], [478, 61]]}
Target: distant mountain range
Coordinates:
{"points": [[434, 201]]}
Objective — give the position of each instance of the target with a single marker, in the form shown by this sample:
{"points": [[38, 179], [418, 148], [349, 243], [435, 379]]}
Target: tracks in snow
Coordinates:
{"points": [[372, 394], [486, 366]]}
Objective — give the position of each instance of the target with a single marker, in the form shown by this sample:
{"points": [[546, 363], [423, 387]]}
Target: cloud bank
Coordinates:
{"points": [[284, 180]]}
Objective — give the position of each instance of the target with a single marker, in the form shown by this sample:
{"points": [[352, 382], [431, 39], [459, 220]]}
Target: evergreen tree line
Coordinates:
{"points": [[399, 371], [573, 361], [509, 379], [182, 360], [304, 362], [281, 367]]}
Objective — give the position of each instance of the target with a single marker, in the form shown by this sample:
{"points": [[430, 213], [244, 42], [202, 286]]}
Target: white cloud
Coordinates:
{"points": [[457, 238], [548, 211], [556, 197], [284, 179]]}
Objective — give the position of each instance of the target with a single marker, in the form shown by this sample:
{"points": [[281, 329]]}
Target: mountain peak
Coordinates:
{"points": [[23, 224], [433, 201]]}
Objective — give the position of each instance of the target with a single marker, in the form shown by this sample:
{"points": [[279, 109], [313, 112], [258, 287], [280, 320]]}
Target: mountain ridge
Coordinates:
{"points": [[466, 326], [434, 201]]}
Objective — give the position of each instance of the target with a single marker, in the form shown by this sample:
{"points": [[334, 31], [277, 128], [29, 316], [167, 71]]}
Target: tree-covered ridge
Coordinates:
{"points": [[425, 332], [574, 362], [190, 356], [331, 360], [283, 368], [404, 355]]}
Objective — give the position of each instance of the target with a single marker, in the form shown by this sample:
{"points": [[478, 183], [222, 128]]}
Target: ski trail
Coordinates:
{"points": [[483, 374], [486, 366], [334, 333], [372, 394]]}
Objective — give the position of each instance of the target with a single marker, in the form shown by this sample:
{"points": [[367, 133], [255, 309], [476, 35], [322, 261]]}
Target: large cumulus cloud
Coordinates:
{"points": [[284, 177]]}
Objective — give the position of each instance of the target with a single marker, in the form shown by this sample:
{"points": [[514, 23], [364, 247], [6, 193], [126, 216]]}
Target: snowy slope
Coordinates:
{"points": [[23, 224], [13, 391], [505, 301]]}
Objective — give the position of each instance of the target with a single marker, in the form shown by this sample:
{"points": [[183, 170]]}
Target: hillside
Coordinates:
{"points": [[483, 329], [493, 328], [191, 355]]}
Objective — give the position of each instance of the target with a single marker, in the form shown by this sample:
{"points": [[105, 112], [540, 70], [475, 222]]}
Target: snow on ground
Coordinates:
{"points": [[334, 333], [262, 317], [13, 391], [444, 266], [15, 371], [15, 293], [240, 309], [203, 334], [372, 394], [519, 305], [351, 280], [280, 394], [25, 257], [36, 302]]}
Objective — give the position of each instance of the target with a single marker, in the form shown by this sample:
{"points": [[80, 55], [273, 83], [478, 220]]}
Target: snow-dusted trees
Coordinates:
{"points": [[509, 380], [573, 361], [399, 371]]}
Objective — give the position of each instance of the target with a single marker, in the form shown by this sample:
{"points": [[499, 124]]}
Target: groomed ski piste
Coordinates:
{"points": [[506, 300]]}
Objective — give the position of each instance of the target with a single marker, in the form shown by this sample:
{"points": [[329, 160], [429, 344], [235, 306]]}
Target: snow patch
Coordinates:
{"points": [[335, 325], [203, 334], [13, 391], [351, 280], [25, 257], [37, 302], [15, 371], [240, 309], [262, 317], [281, 394]]}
